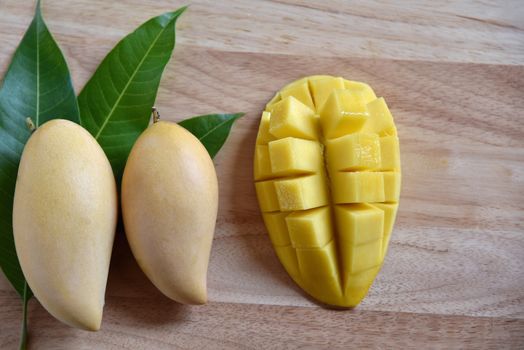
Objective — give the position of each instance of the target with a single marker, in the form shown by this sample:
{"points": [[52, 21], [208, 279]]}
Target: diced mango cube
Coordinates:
{"points": [[390, 152], [302, 193], [380, 120], [291, 156], [288, 257], [317, 261], [390, 213], [300, 91], [357, 187], [262, 167], [391, 186], [364, 90], [295, 83], [310, 228], [343, 113], [357, 285], [322, 87], [267, 195], [358, 151], [319, 270], [274, 100], [363, 257], [277, 228], [263, 136], [362, 279], [358, 224], [291, 118]]}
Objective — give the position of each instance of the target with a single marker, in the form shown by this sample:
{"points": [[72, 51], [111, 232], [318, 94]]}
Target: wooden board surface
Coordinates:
{"points": [[453, 76]]}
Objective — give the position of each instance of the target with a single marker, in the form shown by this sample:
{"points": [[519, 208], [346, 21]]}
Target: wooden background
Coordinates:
{"points": [[453, 75]]}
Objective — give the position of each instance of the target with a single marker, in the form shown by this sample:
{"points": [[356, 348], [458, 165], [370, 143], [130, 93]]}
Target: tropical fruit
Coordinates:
{"points": [[169, 205], [327, 177], [64, 218]]}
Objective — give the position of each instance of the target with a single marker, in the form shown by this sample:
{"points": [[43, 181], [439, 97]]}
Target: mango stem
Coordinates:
{"points": [[30, 124], [156, 115]]}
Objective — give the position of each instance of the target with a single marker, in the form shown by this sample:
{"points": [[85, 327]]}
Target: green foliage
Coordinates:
{"points": [[115, 105], [212, 129], [37, 85]]}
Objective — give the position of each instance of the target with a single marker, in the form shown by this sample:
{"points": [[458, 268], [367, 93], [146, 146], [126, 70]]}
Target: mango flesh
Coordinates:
{"points": [[327, 177], [64, 219], [169, 206]]}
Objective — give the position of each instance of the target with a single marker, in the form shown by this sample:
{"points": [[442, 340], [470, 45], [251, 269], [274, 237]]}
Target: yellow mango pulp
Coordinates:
{"points": [[327, 178]]}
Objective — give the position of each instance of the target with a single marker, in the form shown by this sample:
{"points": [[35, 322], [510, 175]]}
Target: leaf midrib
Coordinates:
{"points": [[129, 82], [216, 127], [37, 71]]}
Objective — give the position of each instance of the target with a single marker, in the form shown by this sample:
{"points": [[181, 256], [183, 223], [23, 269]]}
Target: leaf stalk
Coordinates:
{"points": [[23, 336]]}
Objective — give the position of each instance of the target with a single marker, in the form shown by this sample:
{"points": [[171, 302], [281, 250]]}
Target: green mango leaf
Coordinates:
{"points": [[37, 85], [212, 129], [115, 105]]}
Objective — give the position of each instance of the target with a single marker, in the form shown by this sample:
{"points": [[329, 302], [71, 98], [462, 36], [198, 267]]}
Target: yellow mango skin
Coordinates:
{"points": [[328, 184], [64, 219], [169, 206]]}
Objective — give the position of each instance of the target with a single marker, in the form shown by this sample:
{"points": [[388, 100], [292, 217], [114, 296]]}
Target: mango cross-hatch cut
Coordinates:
{"points": [[327, 178]]}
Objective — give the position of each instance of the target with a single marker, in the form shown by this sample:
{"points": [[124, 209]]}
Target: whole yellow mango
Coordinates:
{"points": [[64, 218], [169, 205]]}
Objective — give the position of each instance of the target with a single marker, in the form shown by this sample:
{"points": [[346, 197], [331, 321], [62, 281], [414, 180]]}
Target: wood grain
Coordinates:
{"points": [[454, 276], [160, 324], [460, 31]]}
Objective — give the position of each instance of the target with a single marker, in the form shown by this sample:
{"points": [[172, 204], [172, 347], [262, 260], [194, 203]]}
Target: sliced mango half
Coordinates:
{"points": [[327, 178]]}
